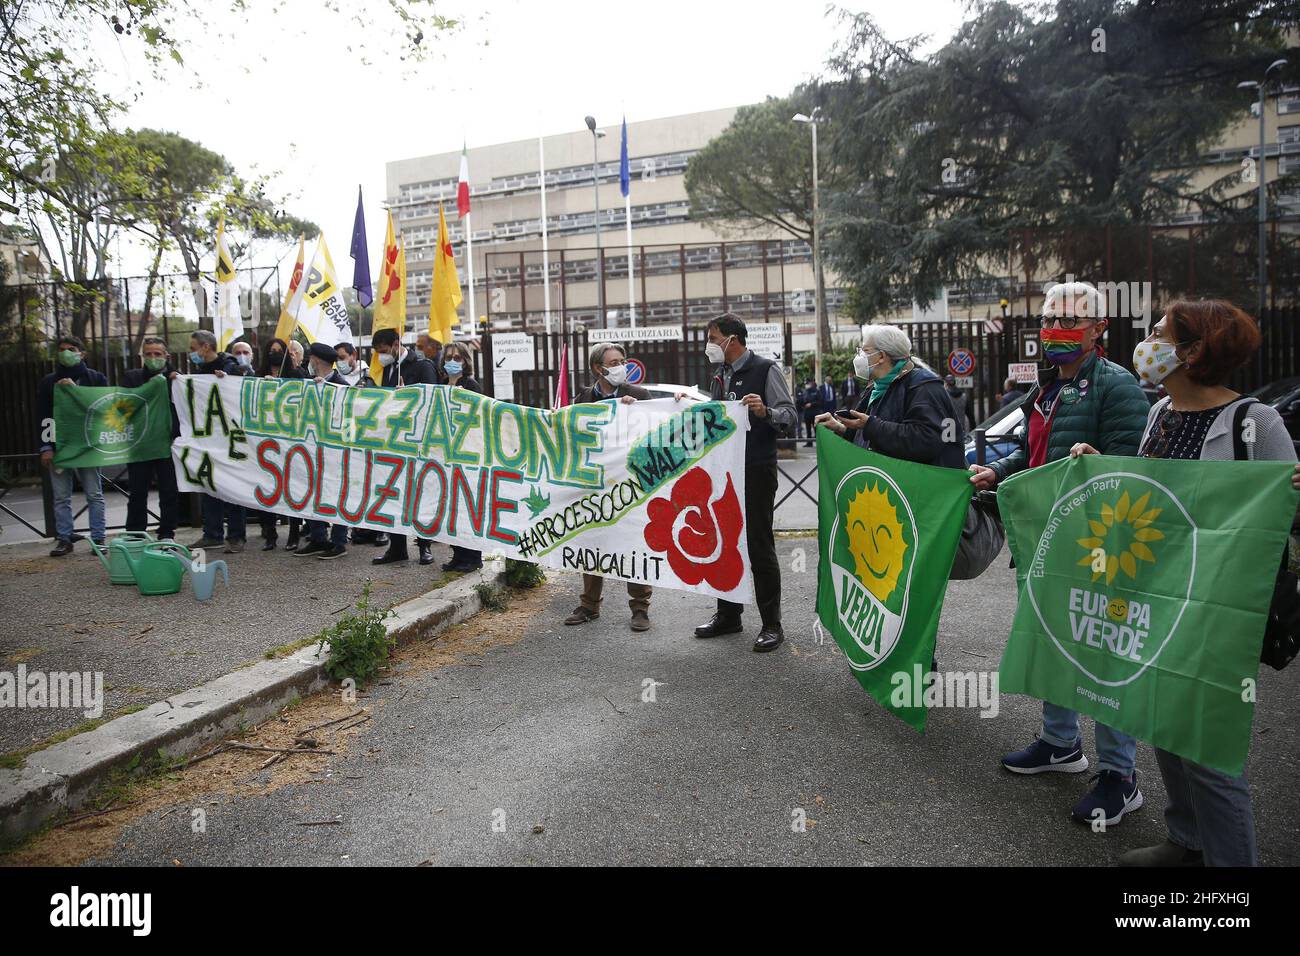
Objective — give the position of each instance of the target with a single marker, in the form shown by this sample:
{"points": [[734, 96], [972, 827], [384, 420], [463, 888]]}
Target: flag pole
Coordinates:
{"points": [[546, 254], [631, 269], [469, 259]]}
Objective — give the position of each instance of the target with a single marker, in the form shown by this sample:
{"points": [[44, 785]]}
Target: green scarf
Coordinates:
{"points": [[881, 385]]}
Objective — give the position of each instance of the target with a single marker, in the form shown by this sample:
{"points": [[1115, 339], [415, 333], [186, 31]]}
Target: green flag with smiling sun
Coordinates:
{"points": [[887, 532], [1144, 586]]}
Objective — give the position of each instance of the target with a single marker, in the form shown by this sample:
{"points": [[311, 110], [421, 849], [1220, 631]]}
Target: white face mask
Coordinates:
{"points": [[616, 375], [345, 366], [386, 359], [715, 353], [862, 363], [244, 358], [1155, 361]]}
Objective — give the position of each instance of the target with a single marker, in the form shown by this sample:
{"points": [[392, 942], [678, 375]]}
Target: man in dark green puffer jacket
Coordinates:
{"points": [[1083, 398]]}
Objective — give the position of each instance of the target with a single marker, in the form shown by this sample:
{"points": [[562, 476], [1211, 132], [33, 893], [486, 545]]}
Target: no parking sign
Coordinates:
{"points": [[961, 362], [635, 371]]}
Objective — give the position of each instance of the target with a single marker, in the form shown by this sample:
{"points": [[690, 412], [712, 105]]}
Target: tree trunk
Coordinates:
{"points": [[146, 314]]}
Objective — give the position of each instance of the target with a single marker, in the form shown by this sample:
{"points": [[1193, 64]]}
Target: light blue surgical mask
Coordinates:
{"points": [[453, 367], [195, 358]]}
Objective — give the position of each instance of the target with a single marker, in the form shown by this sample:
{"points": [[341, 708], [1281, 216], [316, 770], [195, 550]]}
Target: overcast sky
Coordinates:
{"points": [[282, 91]]}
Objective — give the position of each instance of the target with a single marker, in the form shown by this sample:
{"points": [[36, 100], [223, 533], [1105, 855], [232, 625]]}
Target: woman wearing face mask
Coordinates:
{"points": [[275, 362], [456, 367], [1193, 351], [905, 412]]}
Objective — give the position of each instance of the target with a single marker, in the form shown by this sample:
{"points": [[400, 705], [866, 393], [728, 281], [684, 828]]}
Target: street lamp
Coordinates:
{"points": [[1261, 86], [819, 304], [596, 134]]}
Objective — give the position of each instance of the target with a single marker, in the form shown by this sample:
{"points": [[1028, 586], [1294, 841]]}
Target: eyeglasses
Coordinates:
{"points": [[1169, 425], [1062, 321]]}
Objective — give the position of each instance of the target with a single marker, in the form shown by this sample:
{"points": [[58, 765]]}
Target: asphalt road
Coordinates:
{"points": [[552, 732]]}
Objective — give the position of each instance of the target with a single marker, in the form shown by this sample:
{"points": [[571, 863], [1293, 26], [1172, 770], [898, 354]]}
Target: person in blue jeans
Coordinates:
{"points": [[223, 523], [70, 371], [1084, 398]]}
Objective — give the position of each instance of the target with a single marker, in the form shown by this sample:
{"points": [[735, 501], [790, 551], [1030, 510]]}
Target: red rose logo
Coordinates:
{"points": [[701, 537]]}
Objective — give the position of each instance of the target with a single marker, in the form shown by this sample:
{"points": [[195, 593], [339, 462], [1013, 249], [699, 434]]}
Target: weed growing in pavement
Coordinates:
{"points": [[358, 643]]}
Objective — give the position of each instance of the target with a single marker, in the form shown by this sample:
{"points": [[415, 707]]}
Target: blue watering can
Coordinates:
{"points": [[204, 580]]}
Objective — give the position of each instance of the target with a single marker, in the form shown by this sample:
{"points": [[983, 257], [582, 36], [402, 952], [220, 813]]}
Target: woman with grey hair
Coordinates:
{"points": [[906, 413]]}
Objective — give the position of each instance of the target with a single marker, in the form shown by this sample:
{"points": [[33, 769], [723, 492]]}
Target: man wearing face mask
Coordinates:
{"points": [[70, 370], [609, 371], [223, 522], [757, 383], [1083, 398], [324, 541], [242, 353], [153, 354], [349, 366], [402, 366], [431, 349]]}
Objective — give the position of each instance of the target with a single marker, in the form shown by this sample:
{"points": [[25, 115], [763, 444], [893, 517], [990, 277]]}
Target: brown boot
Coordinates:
{"points": [[581, 615], [640, 621]]}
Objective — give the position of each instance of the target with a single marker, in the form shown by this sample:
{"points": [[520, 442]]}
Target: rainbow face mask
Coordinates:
{"points": [[1061, 346]]}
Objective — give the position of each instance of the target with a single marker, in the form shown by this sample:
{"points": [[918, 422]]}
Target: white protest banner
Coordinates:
{"points": [[651, 492]]}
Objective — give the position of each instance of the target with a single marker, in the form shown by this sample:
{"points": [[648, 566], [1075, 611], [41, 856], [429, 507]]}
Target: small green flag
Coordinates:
{"points": [[94, 427], [1144, 585], [887, 531]]}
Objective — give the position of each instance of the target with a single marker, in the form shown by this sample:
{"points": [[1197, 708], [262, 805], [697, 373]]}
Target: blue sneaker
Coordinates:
{"points": [[1042, 757], [1113, 795]]}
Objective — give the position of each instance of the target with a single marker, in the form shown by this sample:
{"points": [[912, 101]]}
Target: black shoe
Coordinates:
{"points": [[380, 540], [769, 638], [448, 565], [268, 544], [332, 551], [310, 548], [59, 550], [426, 554], [292, 543], [390, 557], [719, 625]]}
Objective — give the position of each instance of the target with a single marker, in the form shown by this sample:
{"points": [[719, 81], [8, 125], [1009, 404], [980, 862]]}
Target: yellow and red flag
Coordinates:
{"points": [[390, 299], [293, 297], [446, 286]]}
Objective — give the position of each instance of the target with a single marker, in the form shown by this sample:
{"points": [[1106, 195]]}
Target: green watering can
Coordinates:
{"points": [[159, 567], [120, 551]]}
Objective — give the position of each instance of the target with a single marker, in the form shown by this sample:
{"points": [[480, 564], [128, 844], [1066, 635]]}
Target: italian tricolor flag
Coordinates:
{"points": [[462, 189]]}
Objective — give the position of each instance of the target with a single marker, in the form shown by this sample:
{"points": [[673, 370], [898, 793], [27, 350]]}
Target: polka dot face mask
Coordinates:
{"points": [[1155, 361]]}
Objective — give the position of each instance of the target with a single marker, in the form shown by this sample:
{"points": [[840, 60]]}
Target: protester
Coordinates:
{"points": [[1193, 350], [276, 363], [907, 413], [959, 401], [71, 369], [759, 384], [153, 355], [324, 541], [431, 349], [296, 360], [609, 370], [402, 367], [350, 366], [223, 522], [1011, 393], [1083, 398], [242, 353], [456, 368]]}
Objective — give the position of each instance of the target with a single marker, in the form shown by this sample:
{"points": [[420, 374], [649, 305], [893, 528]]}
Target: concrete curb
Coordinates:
{"points": [[64, 776]]}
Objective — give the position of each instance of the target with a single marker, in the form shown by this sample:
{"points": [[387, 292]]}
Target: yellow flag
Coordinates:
{"points": [[227, 321], [446, 286], [293, 297], [390, 298]]}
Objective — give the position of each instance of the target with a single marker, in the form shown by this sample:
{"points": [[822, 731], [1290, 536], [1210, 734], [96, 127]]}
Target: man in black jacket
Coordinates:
{"points": [[223, 522], [402, 366], [71, 370], [609, 370], [153, 353], [321, 543], [759, 384]]}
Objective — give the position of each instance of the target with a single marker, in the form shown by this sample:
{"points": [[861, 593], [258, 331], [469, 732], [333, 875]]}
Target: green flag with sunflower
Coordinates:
{"points": [[887, 532], [94, 427], [1144, 586]]}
